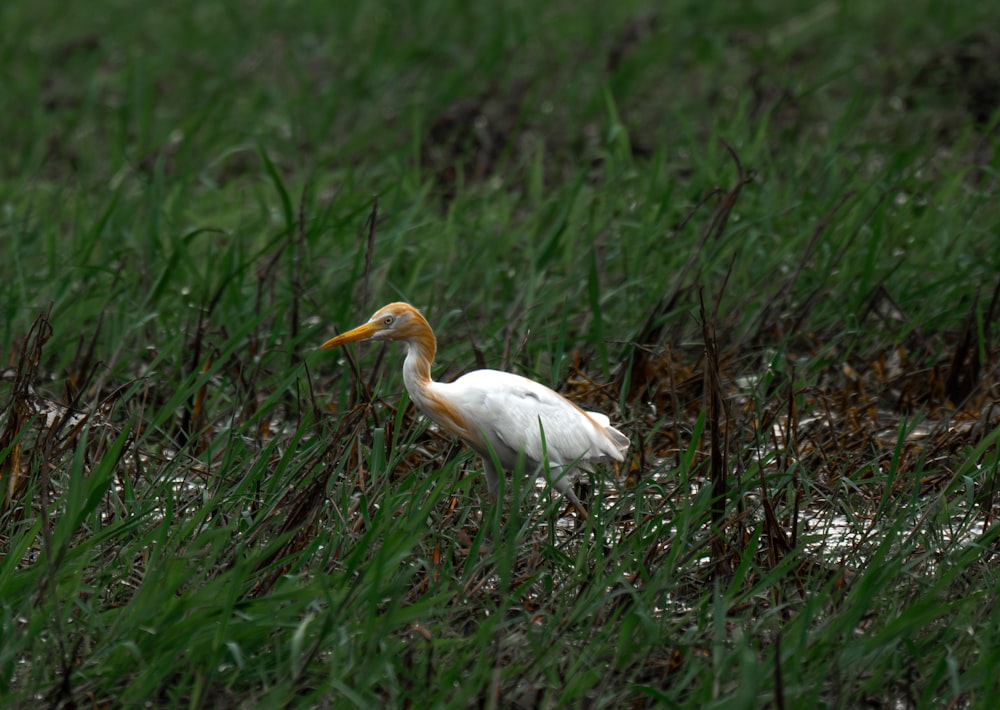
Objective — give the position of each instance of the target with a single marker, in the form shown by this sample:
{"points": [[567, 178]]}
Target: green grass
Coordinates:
{"points": [[205, 510]]}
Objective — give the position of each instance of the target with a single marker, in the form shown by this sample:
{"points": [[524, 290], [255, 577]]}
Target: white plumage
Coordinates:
{"points": [[489, 409]]}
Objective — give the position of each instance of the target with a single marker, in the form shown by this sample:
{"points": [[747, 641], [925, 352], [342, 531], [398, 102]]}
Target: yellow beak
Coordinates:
{"points": [[362, 332]]}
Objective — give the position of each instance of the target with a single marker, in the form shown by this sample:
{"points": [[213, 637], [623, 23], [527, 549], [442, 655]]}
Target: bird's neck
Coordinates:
{"points": [[420, 351]]}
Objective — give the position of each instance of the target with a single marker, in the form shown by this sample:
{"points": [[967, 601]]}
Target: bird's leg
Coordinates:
{"points": [[491, 477], [560, 480]]}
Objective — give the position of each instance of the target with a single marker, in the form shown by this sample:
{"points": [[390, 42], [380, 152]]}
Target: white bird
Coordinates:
{"points": [[501, 412]]}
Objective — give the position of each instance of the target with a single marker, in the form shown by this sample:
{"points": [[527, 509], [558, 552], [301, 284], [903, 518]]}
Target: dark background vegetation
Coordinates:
{"points": [[762, 237]]}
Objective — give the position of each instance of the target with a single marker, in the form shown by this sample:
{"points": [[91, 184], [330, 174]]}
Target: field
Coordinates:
{"points": [[763, 240]]}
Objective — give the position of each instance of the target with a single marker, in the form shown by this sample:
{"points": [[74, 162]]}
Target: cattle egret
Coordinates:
{"points": [[496, 413]]}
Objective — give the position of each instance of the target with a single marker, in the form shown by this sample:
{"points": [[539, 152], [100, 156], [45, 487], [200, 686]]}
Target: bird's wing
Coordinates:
{"points": [[508, 409]]}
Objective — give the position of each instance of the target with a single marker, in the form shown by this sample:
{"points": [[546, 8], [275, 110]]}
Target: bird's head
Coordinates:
{"points": [[397, 321]]}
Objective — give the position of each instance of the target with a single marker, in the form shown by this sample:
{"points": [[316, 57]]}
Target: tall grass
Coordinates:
{"points": [[762, 239]]}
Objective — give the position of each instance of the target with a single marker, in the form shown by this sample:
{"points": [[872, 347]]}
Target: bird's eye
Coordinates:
{"points": [[388, 319]]}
